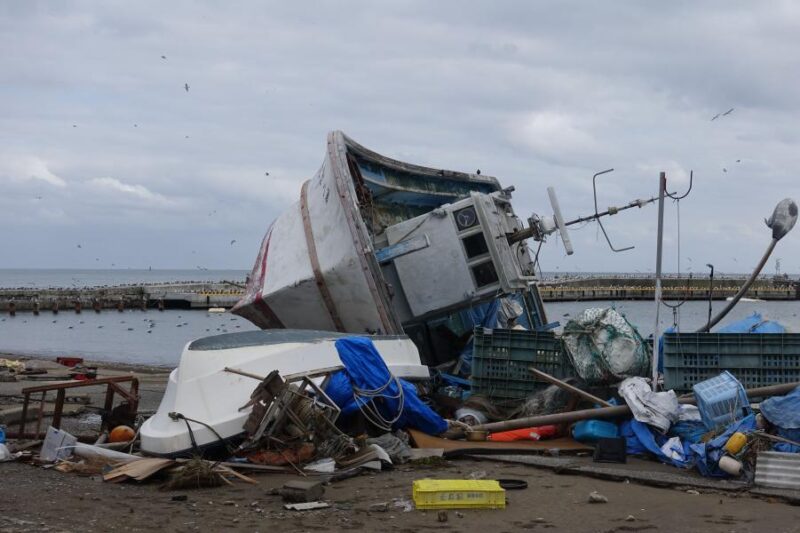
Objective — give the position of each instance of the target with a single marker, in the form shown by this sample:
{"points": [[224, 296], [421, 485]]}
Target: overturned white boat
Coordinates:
{"points": [[206, 396]]}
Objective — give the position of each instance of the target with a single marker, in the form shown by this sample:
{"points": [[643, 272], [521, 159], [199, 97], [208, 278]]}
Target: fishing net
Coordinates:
{"points": [[605, 348]]}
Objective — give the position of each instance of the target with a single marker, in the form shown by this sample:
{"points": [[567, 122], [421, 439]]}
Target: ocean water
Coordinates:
{"points": [[158, 338]]}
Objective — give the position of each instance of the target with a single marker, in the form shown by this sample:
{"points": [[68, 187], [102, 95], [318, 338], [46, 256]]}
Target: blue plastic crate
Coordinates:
{"points": [[721, 401]]}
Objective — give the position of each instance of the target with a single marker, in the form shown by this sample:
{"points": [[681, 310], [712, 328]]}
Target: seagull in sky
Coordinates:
{"points": [[266, 173], [163, 57], [79, 246], [186, 86], [725, 114], [233, 241]]}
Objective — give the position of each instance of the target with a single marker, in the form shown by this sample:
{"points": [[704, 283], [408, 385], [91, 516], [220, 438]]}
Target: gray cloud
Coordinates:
{"points": [[100, 143]]}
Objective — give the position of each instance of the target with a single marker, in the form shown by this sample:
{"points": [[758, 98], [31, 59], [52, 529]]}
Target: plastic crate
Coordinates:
{"points": [[756, 359], [721, 401], [501, 358], [458, 494]]}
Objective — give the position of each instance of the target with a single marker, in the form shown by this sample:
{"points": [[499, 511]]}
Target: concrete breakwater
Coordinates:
{"points": [[204, 295], [673, 288], [192, 295]]}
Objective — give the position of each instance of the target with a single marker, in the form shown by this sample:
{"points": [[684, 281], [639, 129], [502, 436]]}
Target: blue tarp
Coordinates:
{"points": [[641, 439], [784, 413], [754, 323], [483, 315], [365, 369]]}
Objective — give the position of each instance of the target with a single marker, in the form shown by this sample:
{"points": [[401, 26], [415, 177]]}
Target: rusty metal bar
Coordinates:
{"points": [[25, 403], [41, 413], [75, 384]]}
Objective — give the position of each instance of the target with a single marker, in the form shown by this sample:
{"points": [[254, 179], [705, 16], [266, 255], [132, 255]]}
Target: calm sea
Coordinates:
{"points": [[157, 338]]}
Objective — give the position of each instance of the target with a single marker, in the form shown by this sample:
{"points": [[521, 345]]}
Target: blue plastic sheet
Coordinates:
{"points": [[754, 323], [641, 439], [483, 315], [365, 369], [784, 413]]}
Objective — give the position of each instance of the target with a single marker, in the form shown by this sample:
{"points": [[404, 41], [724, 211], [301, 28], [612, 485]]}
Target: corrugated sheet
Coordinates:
{"points": [[778, 469]]}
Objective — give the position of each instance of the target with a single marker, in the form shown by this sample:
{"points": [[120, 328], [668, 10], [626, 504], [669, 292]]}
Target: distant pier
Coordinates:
{"points": [[203, 295], [191, 295]]}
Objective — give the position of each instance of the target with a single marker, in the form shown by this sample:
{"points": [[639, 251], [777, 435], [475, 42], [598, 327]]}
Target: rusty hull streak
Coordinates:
{"points": [[312, 255]]}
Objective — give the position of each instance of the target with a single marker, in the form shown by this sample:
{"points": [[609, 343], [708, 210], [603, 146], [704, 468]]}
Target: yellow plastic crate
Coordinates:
{"points": [[458, 494]]}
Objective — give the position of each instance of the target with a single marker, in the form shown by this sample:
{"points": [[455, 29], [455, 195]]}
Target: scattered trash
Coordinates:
{"points": [[441, 516], [693, 492], [381, 507], [658, 409], [302, 491], [309, 506], [596, 497]]}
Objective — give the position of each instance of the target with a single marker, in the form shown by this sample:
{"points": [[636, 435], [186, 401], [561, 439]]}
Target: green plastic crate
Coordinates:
{"points": [[501, 358], [756, 359]]}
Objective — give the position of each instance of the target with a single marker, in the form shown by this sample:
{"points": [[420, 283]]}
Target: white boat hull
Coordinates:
{"points": [[202, 390]]}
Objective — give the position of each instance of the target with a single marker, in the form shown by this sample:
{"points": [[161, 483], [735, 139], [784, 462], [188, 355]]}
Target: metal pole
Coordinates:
{"points": [[662, 187], [710, 290], [613, 412]]}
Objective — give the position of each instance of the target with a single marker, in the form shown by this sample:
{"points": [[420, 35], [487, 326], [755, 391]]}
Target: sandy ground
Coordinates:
{"points": [[46, 500], [37, 499]]}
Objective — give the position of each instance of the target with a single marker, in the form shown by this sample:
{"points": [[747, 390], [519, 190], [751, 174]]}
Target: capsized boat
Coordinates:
{"points": [[202, 390], [376, 245]]}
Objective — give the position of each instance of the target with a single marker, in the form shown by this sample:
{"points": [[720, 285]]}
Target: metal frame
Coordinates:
{"points": [[112, 384]]}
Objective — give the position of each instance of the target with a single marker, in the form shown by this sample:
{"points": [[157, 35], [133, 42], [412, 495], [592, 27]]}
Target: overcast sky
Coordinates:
{"points": [[101, 146]]}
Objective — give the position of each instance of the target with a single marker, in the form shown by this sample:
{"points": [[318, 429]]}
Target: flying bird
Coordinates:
{"points": [[186, 86], [725, 114], [724, 169], [478, 172], [738, 160], [163, 57], [74, 125], [233, 241], [135, 125], [79, 246], [266, 173]]}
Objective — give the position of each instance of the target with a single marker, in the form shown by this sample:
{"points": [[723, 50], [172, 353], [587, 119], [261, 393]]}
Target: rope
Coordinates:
{"points": [[365, 400]]}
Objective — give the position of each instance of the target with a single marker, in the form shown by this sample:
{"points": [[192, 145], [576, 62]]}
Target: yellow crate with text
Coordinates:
{"points": [[458, 494]]}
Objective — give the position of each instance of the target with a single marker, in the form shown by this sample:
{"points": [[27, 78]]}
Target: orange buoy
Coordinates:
{"points": [[121, 434]]}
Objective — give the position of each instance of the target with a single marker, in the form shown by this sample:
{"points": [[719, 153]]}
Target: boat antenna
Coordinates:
{"points": [[597, 213], [781, 222]]}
